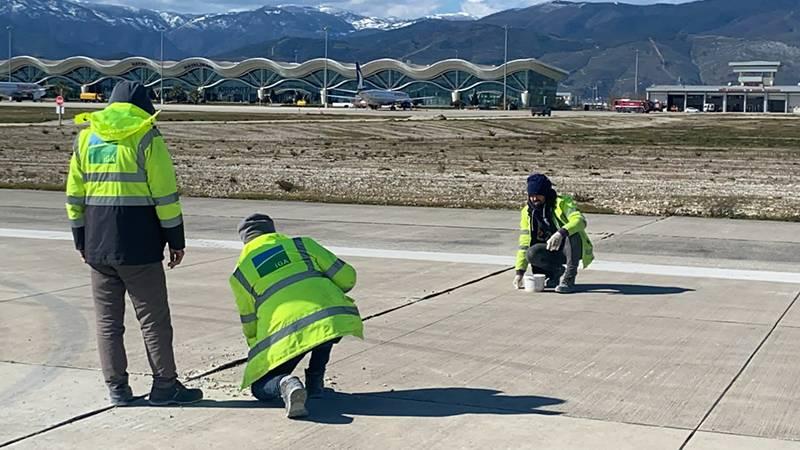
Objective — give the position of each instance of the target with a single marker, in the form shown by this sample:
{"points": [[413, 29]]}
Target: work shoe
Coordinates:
{"points": [[294, 396], [567, 285], [552, 281], [178, 394], [315, 384], [121, 396]]}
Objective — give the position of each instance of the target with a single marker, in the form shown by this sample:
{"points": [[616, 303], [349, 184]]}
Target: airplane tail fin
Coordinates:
{"points": [[359, 78]]}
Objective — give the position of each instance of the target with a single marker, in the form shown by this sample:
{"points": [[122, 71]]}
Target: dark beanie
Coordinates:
{"points": [[539, 184], [254, 226], [134, 93]]}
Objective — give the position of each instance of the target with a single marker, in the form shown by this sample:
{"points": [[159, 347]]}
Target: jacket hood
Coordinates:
{"points": [[134, 93], [117, 121]]}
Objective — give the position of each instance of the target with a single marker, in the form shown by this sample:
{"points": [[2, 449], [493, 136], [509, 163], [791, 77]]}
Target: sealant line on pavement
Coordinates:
{"points": [[739, 373], [437, 294], [240, 361], [64, 423], [645, 225]]}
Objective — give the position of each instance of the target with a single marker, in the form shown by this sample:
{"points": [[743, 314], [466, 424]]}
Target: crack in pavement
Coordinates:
{"points": [[68, 367], [36, 294]]}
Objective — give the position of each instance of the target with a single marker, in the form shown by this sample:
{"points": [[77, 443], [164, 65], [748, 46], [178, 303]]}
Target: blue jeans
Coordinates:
{"points": [[267, 388]]}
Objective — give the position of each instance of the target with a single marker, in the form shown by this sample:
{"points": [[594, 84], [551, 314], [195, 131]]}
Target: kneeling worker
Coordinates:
{"points": [[552, 234], [290, 293]]}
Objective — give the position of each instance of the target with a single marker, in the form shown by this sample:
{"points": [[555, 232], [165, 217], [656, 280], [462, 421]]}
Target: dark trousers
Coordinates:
{"points": [[551, 263], [147, 287], [267, 388]]}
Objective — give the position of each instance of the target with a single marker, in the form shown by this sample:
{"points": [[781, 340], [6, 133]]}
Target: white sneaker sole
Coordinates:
{"points": [[296, 406]]}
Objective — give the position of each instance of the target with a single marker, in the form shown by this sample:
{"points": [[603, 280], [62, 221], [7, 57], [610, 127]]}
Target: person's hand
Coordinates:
{"points": [[518, 282], [554, 243], [175, 258]]}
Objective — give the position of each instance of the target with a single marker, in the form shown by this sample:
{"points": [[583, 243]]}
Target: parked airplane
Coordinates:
{"points": [[21, 91], [375, 98]]}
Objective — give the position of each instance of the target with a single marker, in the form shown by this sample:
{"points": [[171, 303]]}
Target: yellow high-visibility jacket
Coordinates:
{"points": [[122, 196], [290, 293], [567, 217]]}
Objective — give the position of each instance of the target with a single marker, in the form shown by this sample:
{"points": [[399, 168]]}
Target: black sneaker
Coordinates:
{"points": [[567, 286], [121, 396], [178, 394]]}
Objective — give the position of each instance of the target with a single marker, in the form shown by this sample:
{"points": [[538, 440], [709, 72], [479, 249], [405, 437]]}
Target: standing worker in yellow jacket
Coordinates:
{"points": [[290, 293], [122, 202], [552, 234]]}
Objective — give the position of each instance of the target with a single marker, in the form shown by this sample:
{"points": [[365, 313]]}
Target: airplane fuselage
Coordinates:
{"points": [[380, 97], [19, 91]]}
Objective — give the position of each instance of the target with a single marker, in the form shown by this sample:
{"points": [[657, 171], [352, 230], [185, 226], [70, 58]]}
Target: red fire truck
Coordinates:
{"points": [[626, 105]]}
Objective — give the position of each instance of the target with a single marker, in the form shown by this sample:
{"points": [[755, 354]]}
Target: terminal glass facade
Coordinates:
{"points": [[204, 82]]}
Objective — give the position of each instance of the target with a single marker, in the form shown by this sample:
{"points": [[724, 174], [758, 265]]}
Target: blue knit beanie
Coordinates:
{"points": [[539, 184]]}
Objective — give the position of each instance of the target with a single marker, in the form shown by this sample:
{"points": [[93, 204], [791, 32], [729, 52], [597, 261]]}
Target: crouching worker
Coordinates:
{"points": [[290, 293], [552, 235]]}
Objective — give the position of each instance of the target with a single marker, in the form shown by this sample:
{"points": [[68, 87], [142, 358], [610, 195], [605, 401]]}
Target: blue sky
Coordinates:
{"points": [[380, 8]]}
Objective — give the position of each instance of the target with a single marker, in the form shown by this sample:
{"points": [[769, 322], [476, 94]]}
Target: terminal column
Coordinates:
{"points": [[725, 102]]}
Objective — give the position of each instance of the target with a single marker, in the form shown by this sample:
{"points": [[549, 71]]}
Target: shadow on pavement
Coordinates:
{"points": [[629, 289], [340, 408]]}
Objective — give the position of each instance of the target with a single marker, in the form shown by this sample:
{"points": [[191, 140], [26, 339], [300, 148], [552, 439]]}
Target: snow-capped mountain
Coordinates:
{"points": [[458, 16], [60, 28], [360, 22]]}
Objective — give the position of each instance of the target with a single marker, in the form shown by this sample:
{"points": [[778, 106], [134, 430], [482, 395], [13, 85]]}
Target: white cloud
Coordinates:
{"points": [[477, 8], [409, 10]]}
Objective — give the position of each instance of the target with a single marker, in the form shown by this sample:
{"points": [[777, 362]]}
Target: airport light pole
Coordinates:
{"points": [[636, 76], [325, 72], [505, 69], [161, 76], [9, 29]]}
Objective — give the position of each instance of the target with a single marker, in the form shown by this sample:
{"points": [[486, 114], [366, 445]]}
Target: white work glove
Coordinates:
{"points": [[518, 282], [554, 243]]}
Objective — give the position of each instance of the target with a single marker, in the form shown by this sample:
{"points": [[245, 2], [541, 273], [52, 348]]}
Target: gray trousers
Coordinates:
{"points": [[147, 287], [551, 263]]}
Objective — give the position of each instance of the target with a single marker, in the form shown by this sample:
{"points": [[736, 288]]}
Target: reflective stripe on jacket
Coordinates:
{"points": [[290, 293]]}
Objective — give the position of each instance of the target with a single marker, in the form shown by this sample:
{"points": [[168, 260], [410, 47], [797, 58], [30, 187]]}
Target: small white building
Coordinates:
{"points": [[566, 97], [755, 92]]}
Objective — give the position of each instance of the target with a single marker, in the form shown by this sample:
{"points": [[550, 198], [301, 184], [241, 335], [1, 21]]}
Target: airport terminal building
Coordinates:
{"points": [[529, 82], [754, 92]]}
